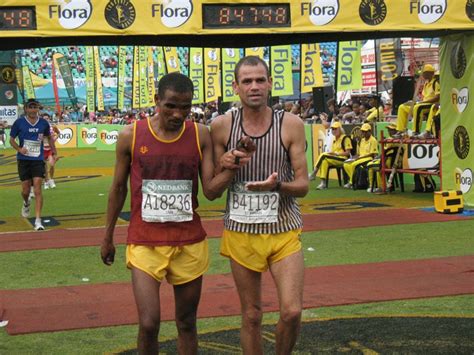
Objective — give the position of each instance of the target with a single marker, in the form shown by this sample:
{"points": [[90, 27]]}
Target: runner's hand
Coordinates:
{"points": [[268, 185], [107, 252]]}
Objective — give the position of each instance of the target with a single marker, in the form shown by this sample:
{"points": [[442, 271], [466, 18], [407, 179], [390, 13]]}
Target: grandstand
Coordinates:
{"points": [[39, 60]]}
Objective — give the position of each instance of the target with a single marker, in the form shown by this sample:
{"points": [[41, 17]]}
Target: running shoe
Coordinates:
{"points": [[39, 226], [52, 185], [25, 210]]}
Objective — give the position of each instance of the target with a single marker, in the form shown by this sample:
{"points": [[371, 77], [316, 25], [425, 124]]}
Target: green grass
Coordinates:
{"points": [[77, 194]]}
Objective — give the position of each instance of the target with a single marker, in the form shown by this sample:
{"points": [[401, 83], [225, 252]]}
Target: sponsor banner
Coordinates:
{"points": [[311, 72], [160, 63], [256, 51], [171, 59], [349, 67], [191, 17], [212, 74], [422, 156], [107, 136], [67, 137], [8, 94], [136, 78], [98, 80], [196, 73], [389, 62], [143, 72], [457, 125], [90, 79], [281, 70], [9, 114], [151, 78], [65, 71], [122, 57], [86, 136], [28, 83], [230, 57]]}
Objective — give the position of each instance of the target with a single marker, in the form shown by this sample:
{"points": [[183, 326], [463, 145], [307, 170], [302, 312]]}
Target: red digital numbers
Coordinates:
{"points": [[246, 15], [17, 18]]}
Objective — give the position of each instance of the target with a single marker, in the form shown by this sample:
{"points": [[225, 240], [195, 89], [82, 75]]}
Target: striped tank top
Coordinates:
{"points": [[270, 156]]}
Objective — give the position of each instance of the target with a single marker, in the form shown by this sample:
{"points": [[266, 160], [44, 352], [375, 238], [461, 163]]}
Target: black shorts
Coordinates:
{"points": [[28, 169]]}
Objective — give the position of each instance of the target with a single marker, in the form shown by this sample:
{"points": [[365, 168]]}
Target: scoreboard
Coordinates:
{"points": [[72, 18]]}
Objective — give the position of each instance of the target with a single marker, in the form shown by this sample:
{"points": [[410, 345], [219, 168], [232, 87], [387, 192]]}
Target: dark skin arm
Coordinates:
{"points": [[118, 192]]}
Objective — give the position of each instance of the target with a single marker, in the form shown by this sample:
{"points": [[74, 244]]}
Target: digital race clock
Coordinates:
{"points": [[15, 18], [245, 15]]}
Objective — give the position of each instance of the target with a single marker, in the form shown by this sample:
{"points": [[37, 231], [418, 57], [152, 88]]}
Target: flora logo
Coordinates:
{"points": [[230, 52], [71, 14], [460, 99], [109, 138], [173, 13], [320, 12], [212, 54], [463, 179], [197, 58], [65, 136], [89, 136], [428, 11]]}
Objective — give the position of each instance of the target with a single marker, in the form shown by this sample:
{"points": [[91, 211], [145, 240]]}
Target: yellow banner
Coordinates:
{"points": [[281, 69], [230, 57], [143, 66], [136, 79], [28, 83], [196, 74], [98, 80], [151, 78], [90, 79], [171, 59], [212, 74], [43, 18], [349, 73], [256, 51], [311, 72], [161, 63], [122, 62]]}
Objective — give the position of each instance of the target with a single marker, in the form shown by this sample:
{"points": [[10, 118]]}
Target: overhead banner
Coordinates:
{"points": [[27, 83], [349, 70], [90, 79], [281, 70], [122, 63], [311, 72], [171, 59], [42, 18], [196, 74], [457, 111], [389, 62], [212, 81], [230, 57]]}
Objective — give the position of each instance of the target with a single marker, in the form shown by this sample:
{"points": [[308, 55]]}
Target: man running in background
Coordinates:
{"points": [[30, 130], [50, 159]]}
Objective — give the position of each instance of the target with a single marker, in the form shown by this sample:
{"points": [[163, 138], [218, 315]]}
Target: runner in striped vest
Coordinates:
{"points": [[262, 220]]}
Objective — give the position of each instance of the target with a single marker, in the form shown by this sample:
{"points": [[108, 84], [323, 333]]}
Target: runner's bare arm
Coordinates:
{"points": [[223, 159], [294, 139], [118, 192], [213, 185]]}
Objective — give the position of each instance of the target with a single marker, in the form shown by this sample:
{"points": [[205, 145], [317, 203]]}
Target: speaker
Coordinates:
{"points": [[402, 91], [321, 95]]}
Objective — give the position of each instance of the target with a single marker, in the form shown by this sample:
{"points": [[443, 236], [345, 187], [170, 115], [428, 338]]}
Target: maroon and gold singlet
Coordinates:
{"points": [[164, 187]]}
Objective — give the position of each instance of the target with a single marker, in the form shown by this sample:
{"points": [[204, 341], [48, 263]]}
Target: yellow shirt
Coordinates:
{"points": [[337, 144], [373, 116], [368, 146], [431, 89]]}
